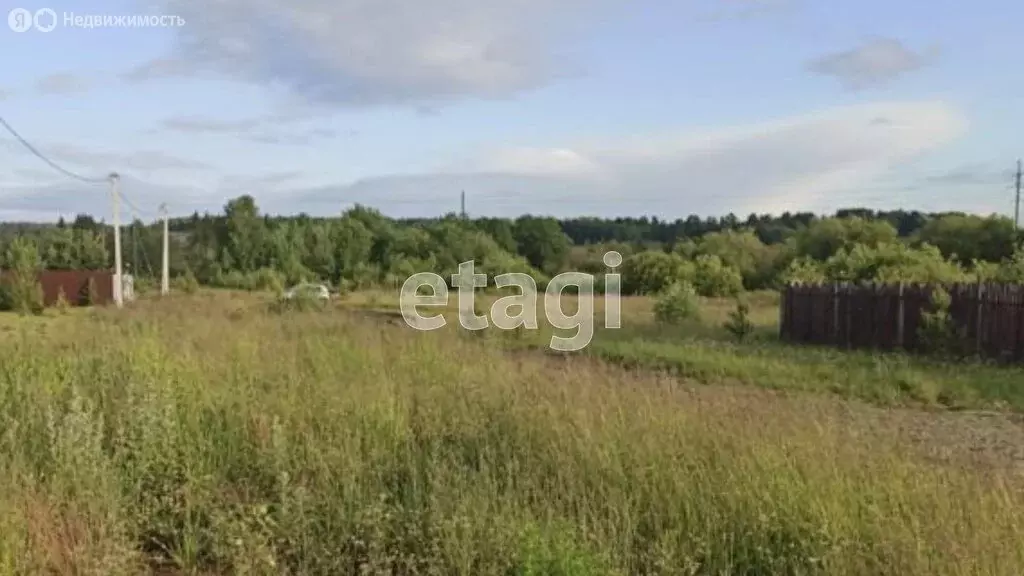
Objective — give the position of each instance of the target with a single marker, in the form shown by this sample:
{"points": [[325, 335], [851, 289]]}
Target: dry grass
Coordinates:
{"points": [[208, 435]]}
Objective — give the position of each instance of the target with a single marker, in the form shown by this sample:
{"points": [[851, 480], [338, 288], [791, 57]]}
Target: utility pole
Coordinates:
{"points": [[165, 280], [134, 270], [115, 194], [1016, 209]]}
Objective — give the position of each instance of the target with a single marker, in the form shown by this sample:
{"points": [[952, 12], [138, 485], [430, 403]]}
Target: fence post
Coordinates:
{"points": [[900, 319], [835, 313], [849, 310], [783, 304], [977, 328]]}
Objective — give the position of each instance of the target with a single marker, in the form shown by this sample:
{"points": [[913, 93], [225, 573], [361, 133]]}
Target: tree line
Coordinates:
{"points": [[243, 248]]}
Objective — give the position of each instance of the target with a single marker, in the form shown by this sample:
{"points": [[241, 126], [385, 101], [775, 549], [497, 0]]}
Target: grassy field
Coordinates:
{"points": [[703, 351], [210, 435]]}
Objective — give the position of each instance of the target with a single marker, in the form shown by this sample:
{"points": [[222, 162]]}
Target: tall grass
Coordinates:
{"points": [[207, 435], [702, 350]]}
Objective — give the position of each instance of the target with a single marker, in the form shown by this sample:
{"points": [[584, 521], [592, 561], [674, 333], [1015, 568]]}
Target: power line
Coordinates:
{"points": [[51, 163], [1016, 207], [138, 211]]}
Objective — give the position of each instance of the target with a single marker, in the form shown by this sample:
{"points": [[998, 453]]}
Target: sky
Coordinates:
{"points": [[603, 108]]}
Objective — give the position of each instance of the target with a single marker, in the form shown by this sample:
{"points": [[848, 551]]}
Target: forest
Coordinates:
{"points": [[243, 248]]}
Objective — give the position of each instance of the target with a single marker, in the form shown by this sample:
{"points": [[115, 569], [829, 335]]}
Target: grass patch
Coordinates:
{"points": [[205, 434]]}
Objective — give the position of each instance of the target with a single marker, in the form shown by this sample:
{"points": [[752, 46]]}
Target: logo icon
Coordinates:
{"points": [[20, 19], [41, 22]]}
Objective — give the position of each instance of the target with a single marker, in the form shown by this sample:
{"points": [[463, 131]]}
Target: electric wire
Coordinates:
{"points": [[49, 162]]}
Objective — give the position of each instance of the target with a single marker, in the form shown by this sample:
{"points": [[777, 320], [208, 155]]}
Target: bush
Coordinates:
{"points": [[266, 279], [803, 270], [653, 271], [739, 324], [298, 303], [62, 302], [187, 282], [679, 302], [937, 332], [893, 263], [144, 285], [713, 279], [22, 294], [22, 291]]}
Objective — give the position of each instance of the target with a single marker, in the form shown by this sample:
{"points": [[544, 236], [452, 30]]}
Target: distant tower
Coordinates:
{"points": [[463, 213]]}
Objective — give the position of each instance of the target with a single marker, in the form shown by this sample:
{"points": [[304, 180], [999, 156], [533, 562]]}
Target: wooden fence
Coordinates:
{"points": [[988, 318]]}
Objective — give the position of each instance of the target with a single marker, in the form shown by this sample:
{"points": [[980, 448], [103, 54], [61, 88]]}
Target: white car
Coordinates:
{"points": [[315, 291]]}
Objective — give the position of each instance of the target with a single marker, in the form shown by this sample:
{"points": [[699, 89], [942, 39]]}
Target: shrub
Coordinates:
{"points": [[89, 294], [144, 285], [344, 287], [803, 270], [22, 291], [300, 302], [712, 278], [739, 324], [893, 263], [23, 295], [266, 279], [62, 301], [653, 271], [676, 304], [937, 332], [187, 283]]}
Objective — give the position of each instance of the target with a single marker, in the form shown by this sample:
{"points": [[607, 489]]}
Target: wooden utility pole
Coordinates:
{"points": [[115, 194], [1016, 208], [165, 281]]}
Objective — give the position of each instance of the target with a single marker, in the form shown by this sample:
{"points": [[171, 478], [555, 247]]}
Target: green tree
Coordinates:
{"points": [[968, 238], [21, 289], [739, 323], [542, 242], [893, 263], [824, 238], [244, 235], [353, 243], [741, 250]]}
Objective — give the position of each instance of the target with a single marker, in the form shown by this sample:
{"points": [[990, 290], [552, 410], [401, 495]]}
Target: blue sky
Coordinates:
{"points": [[599, 107]]}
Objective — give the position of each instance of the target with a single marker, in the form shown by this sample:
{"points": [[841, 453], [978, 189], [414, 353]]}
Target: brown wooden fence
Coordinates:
{"points": [[75, 284], [989, 318]]}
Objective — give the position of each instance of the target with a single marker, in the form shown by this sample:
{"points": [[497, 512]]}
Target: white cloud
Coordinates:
{"points": [[101, 162], [269, 129], [376, 52], [68, 198], [540, 161], [819, 161], [877, 61], [795, 163]]}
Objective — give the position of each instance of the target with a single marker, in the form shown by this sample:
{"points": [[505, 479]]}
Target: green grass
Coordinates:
{"points": [[703, 351], [211, 435]]}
